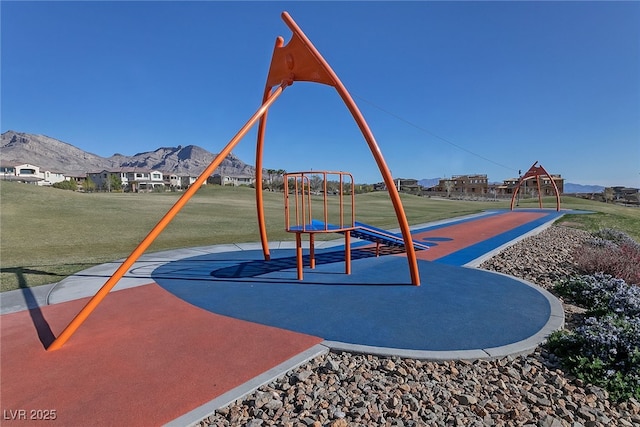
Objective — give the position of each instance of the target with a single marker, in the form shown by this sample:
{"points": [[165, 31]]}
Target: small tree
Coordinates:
{"points": [[333, 187], [269, 184], [608, 194], [278, 182], [88, 185], [115, 183], [316, 182], [448, 186]]}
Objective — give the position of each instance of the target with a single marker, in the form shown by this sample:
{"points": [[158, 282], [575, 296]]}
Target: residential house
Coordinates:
{"points": [[79, 179], [236, 180], [29, 173], [630, 195], [406, 185], [132, 179], [179, 182]]}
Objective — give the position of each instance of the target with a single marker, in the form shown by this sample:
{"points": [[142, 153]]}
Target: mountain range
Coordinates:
{"points": [[58, 156], [570, 188]]}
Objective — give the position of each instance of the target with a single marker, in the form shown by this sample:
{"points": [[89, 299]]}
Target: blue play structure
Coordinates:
{"points": [[380, 236], [361, 231]]}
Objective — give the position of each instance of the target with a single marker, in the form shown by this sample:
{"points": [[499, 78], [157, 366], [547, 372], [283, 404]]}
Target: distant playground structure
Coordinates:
{"points": [[298, 60], [536, 172]]}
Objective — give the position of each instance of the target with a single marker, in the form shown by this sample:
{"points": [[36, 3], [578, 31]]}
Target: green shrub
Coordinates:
{"points": [[605, 349], [66, 185]]}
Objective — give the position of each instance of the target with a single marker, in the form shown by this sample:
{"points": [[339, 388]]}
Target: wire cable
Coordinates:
{"points": [[402, 119]]}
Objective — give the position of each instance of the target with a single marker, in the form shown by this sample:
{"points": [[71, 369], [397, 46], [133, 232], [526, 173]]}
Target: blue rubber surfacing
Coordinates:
{"points": [[455, 308]]}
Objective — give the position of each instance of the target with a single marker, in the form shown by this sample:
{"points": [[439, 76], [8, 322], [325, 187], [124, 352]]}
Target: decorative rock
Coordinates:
{"points": [[465, 399], [550, 421], [342, 389]]}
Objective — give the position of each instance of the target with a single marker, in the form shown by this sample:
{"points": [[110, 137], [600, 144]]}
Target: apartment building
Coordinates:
{"points": [[464, 184]]}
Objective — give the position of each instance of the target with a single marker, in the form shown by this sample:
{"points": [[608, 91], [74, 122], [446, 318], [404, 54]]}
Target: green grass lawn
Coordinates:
{"points": [[47, 234]]}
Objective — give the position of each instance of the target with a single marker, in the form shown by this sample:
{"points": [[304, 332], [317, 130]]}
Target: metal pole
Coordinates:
{"points": [[160, 226]]}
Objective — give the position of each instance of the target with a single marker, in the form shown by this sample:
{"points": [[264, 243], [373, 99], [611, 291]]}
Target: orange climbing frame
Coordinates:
{"points": [[299, 60], [304, 219], [536, 172]]}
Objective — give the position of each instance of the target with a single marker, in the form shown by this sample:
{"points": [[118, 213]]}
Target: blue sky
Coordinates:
{"points": [[448, 88]]}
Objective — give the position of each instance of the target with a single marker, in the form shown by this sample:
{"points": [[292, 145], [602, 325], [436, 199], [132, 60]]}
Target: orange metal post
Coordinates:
{"points": [[262, 126], [347, 252], [160, 226], [262, 228], [305, 211], [326, 202], [312, 251], [515, 193], [341, 187], [555, 189], [287, 211], [299, 255], [539, 192], [308, 194]]}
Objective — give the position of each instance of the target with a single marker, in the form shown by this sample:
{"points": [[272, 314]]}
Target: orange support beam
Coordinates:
{"points": [[160, 226]]}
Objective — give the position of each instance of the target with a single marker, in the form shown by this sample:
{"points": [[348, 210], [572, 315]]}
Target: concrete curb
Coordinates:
{"points": [[195, 416]]}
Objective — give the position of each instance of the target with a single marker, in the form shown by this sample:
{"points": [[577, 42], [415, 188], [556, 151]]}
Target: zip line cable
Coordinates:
{"points": [[402, 119]]}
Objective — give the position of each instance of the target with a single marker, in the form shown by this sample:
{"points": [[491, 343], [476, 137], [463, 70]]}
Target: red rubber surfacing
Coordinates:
{"points": [[144, 357]]}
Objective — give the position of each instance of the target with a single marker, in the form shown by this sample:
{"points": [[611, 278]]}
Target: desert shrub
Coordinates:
{"points": [[605, 349], [66, 185], [613, 235], [612, 252], [601, 293]]}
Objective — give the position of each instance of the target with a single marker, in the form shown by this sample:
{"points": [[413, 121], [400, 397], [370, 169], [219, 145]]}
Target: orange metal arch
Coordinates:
{"points": [[536, 172], [299, 60]]}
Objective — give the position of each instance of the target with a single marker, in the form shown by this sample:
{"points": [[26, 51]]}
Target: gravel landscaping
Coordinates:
{"points": [[342, 389]]}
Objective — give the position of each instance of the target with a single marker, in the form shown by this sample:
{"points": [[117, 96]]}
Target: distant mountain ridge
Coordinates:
{"points": [[55, 155], [58, 156], [570, 188], [429, 182]]}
